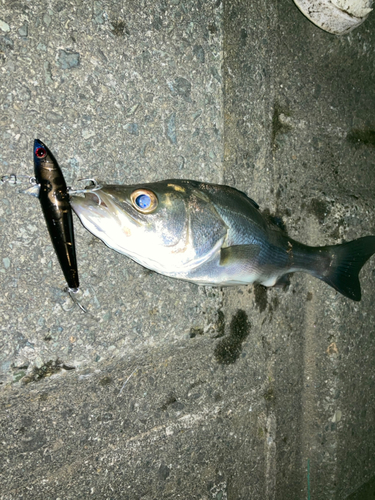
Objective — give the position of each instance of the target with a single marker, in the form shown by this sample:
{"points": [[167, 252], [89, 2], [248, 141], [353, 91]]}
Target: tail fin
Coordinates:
{"points": [[346, 262]]}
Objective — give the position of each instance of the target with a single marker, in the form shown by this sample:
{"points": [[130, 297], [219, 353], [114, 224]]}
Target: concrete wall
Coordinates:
{"points": [[168, 390]]}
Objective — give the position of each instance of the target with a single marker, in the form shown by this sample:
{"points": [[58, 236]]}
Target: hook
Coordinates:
{"points": [[96, 186]]}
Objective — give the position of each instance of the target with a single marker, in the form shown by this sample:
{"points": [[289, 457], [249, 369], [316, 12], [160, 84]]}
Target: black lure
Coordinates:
{"points": [[54, 199]]}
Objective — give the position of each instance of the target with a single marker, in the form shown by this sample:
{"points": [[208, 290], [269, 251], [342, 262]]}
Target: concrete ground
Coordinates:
{"points": [[167, 390]]}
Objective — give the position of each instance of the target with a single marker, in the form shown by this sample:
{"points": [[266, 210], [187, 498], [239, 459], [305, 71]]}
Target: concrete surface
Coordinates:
{"points": [[168, 390]]}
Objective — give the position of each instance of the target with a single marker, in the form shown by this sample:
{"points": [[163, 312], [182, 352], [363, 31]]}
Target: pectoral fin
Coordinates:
{"points": [[239, 254]]}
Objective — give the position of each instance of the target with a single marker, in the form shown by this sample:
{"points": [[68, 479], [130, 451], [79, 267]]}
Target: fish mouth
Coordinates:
{"points": [[95, 199], [89, 206], [97, 210], [106, 218], [102, 205]]}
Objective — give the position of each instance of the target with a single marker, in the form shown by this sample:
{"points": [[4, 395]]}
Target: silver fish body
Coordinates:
{"points": [[211, 235]]}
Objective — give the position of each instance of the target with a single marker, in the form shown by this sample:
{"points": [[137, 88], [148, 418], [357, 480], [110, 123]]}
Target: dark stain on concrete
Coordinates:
{"points": [[275, 303], [364, 492], [275, 219], [336, 232], [260, 293], [228, 350], [243, 37], [163, 472], [48, 369], [359, 137], [172, 402], [119, 28], [194, 331], [212, 28], [266, 345], [33, 441], [269, 394], [105, 381], [273, 306], [220, 324], [319, 208]]}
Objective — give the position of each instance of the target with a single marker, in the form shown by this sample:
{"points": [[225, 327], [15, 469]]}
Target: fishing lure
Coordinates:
{"points": [[54, 199], [50, 187]]}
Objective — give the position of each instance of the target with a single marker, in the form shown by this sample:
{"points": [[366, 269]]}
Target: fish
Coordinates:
{"points": [[52, 191], [213, 235]]}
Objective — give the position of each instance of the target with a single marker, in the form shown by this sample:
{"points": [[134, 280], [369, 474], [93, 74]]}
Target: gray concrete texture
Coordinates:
{"points": [[168, 390]]}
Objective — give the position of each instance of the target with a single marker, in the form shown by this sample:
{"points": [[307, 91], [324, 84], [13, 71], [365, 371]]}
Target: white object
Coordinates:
{"points": [[335, 16]]}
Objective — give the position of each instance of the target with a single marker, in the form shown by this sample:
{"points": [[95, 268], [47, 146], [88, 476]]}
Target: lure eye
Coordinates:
{"points": [[144, 201], [40, 153]]}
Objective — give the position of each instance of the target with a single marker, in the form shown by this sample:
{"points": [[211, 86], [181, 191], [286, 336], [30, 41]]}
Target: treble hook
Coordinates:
{"points": [[96, 186], [72, 292]]}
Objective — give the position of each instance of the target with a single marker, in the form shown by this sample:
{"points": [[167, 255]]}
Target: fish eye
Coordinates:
{"points": [[40, 153], [144, 201]]}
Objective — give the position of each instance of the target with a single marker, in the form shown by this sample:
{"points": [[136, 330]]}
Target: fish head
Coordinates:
{"points": [[160, 225]]}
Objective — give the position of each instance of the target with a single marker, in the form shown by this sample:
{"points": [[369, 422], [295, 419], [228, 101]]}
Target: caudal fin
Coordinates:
{"points": [[346, 262]]}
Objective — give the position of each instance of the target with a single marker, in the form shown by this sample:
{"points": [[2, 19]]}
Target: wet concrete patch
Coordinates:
{"points": [[46, 370], [228, 350], [260, 294], [359, 137], [319, 208]]}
